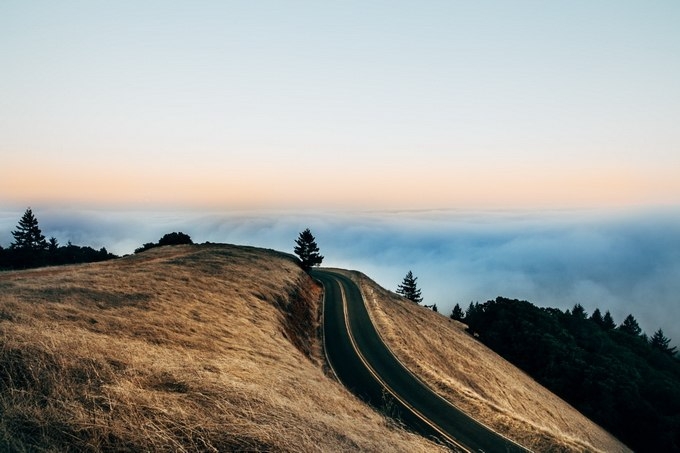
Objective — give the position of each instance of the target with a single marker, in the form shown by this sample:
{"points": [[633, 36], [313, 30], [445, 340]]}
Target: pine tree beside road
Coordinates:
{"points": [[307, 250], [409, 288]]}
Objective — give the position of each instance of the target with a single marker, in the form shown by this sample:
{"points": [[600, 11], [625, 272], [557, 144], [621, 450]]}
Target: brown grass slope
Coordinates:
{"points": [[477, 380], [186, 348]]}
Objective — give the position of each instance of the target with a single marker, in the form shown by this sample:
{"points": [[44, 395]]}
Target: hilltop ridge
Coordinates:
{"points": [[184, 348], [217, 347]]}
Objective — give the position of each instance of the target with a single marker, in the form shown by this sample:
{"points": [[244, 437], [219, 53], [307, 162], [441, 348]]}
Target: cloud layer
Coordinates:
{"points": [[624, 262]]}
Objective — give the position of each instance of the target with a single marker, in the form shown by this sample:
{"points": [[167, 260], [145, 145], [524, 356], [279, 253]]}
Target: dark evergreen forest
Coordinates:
{"points": [[31, 249], [619, 377]]}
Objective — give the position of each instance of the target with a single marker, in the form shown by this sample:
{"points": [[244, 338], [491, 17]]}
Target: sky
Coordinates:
{"points": [[526, 149], [353, 104]]}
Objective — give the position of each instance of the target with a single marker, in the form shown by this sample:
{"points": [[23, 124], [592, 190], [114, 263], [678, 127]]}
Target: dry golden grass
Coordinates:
{"points": [[186, 348], [477, 380]]}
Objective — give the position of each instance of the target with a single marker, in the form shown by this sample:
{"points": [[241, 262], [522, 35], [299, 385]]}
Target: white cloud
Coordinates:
{"points": [[621, 262]]}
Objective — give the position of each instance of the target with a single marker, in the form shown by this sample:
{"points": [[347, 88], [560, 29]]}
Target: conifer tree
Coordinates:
{"points": [[52, 245], [579, 312], [660, 342], [630, 326], [28, 236], [29, 248], [596, 317], [608, 322], [307, 250], [409, 288], [473, 316], [471, 310], [457, 313]]}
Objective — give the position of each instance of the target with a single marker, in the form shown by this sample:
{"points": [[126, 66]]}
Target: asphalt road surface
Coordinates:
{"points": [[366, 367]]}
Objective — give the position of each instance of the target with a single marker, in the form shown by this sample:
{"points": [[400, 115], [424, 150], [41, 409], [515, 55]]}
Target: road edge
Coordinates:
{"points": [[377, 377], [382, 339]]}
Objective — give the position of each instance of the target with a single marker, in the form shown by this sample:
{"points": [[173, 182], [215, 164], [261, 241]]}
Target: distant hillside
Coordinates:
{"points": [[184, 348], [614, 375], [461, 369]]}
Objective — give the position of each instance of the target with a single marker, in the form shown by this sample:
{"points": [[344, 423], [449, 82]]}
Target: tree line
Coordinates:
{"points": [[175, 238], [617, 376], [30, 248]]}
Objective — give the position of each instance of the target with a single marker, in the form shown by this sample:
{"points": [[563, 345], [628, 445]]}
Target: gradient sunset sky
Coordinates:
{"points": [[361, 104]]}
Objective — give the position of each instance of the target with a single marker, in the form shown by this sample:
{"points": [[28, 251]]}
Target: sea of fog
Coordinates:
{"points": [[624, 261]]}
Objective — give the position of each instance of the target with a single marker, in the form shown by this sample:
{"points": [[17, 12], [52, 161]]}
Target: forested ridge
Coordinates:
{"points": [[30, 248], [619, 377]]}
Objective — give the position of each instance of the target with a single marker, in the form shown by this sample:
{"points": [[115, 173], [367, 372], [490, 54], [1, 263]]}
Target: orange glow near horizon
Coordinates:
{"points": [[345, 187], [432, 105]]}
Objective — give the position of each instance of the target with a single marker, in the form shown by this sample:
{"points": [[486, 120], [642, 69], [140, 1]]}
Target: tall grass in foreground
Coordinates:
{"points": [[187, 348]]}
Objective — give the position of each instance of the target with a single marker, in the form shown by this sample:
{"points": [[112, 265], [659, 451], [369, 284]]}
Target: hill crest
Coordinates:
{"points": [[184, 348]]}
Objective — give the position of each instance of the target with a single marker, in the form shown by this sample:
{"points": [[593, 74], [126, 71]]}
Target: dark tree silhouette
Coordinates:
{"points": [[146, 246], [28, 236], [72, 254], [52, 245], [409, 288], [175, 239], [470, 311], [608, 322], [596, 317], [615, 377], [473, 316], [457, 313], [630, 326], [307, 250], [579, 312], [29, 248], [167, 239], [660, 342]]}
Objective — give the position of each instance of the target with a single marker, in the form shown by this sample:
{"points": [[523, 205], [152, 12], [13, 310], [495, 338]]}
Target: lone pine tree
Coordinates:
{"points": [[28, 236], [29, 248], [409, 288], [307, 250]]}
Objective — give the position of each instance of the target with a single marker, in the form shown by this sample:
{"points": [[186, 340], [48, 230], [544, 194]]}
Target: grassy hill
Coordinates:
{"points": [[477, 380], [186, 348]]}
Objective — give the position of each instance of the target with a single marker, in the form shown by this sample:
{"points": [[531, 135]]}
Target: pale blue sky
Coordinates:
{"points": [[387, 103], [293, 105]]}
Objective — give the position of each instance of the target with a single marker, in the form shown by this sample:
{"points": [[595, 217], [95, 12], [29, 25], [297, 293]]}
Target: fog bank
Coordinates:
{"points": [[621, 261]]}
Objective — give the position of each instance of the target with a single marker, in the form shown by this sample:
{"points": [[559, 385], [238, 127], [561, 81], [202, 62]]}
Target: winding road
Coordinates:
{"points": [[363, 363]]}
